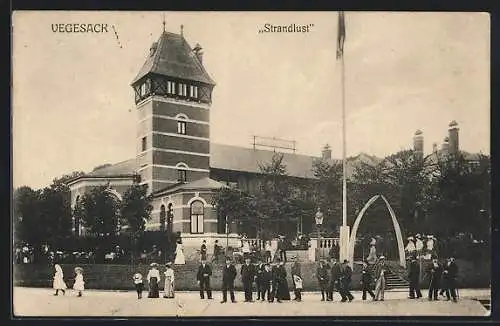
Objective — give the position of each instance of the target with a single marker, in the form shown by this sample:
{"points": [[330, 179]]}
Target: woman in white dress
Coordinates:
{"points": [[179, 254], [79, 283], [59, 284], [169, 282]]}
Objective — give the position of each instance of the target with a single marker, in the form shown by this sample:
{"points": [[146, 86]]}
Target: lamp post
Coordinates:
{"points": [[319, 222]]}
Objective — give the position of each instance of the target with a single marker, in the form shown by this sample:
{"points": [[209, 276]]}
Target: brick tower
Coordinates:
{"points": [[173, 95]]}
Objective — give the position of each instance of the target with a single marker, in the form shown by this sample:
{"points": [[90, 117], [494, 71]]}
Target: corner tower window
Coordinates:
{"points": [[197, 217], [182, 89], [171, 87], [193, 91]]}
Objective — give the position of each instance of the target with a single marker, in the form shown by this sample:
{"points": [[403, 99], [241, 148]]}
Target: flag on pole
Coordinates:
{"points": [[340, 35]]}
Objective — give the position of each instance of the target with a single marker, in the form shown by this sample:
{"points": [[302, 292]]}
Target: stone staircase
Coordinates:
{"points": [[393, 280]]}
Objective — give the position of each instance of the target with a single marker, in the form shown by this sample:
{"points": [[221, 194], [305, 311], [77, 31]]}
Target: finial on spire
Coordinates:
{"points": [[164, 23], [182, 30]]}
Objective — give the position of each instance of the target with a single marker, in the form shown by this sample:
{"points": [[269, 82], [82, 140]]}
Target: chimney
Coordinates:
{"points": [[453, 137], [434, 147], [446, 144], [326, 153], [418, 141], [198, 52], [182, 30], [153, 48]]}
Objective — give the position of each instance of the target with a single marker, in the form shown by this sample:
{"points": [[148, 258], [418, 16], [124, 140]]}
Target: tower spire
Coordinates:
{"points": [[164, 23]]}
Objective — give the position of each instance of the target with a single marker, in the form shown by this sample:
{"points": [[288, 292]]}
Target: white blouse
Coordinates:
{"points": [[170, 273], [153, 273]]}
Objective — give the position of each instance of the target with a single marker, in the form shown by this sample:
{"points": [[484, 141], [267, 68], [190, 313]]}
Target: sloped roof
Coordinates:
{"points": [[172, 56], [234, 158], [201, 184], [124, 168]]}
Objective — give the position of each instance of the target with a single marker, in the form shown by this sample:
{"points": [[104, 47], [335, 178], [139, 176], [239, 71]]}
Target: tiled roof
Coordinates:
{"points": [[241, 159], [174, 57]]}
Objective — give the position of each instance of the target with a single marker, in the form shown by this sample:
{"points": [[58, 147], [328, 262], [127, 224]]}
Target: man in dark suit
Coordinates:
{"points": [[334, 279], [434, 272], [323, 276], [266, 282], [260, 268], [414, 279], [450, 272], [247, 277], [203, 250], [203, 277], [345, 282], [366, 282], [228, 276]]}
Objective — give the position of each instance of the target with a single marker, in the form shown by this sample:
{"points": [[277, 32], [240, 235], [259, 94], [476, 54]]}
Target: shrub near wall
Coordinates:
{"points": [[119, 277]]}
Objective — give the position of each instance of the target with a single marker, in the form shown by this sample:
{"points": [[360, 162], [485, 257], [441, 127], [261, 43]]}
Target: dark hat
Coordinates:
{"points": [[345, 261]]}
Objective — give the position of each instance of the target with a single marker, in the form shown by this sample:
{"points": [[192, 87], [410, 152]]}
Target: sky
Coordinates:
{"points": [[73, 107]]}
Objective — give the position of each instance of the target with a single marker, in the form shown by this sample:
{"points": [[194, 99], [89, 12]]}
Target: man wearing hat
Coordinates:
{"points": [[366, 282], [323, 276], [247, 277], [266, 282], [450, 272], [435, 271], [380, 271], [414, 278], [345, 282], [203, 277], [228, 276], [334, 279]]}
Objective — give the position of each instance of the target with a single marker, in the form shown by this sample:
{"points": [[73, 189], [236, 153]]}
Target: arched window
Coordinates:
{"points": [[197, 217], [181, 124], [181, 172], [163, 215]]}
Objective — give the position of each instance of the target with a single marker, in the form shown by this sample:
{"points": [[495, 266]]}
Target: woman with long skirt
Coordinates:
{"points": [[169, 282], [153, 280], [179, 254]]}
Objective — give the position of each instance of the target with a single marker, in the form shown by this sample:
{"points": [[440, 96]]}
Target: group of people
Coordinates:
{"points": [[335, 277], [270, 281], [60, 285], [421, 246], [154, 280]]}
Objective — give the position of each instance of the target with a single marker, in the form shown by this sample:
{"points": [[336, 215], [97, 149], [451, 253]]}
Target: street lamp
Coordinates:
{"points": [[319, 222]]}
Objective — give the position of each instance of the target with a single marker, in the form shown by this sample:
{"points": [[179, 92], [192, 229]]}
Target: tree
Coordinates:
{"points": [[26, 215], [100, 211], [135, 211], [328, 191], [136, 208]]}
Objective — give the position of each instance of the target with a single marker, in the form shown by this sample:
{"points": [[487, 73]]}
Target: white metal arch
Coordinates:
{"points": [[115, 193], [182, 116], [397, 229]]}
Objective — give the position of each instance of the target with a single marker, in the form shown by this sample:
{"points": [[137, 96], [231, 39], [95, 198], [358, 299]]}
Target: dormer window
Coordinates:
{"points": [[193, 91], [182, 89], [171, 87]]}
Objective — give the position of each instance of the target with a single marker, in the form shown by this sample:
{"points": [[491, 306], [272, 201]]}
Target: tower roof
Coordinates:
{"points": [[418, 132], [172, 56], [453, 124]]}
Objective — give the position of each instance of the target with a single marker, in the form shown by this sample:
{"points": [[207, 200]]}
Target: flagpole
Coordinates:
{"points": [[344, 165]]}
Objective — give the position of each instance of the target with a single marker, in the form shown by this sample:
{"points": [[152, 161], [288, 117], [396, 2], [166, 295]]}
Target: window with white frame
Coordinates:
{"points": [[181, 127], [193, 91], [197, 209], [171, 87], [143, 89], [182, 89]]}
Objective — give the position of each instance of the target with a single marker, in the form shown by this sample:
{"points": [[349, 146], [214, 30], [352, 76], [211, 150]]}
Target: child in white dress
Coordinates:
{"points": [[79, 283], [59, 283]]}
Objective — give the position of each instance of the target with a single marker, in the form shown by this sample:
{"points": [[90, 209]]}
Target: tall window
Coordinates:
{"points": [[183, 89], [163, 215], [144, 144], [143, 89], [170, 87], [182, 175], [193, 91], [197, 217], [181, 127]]}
